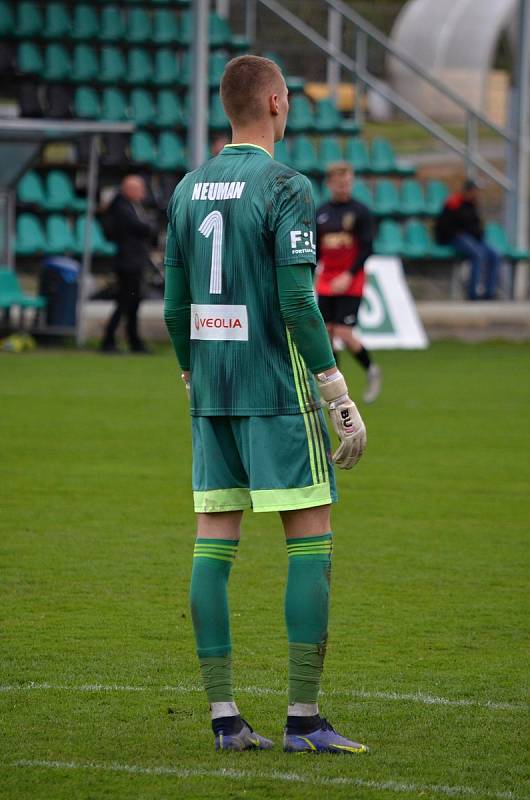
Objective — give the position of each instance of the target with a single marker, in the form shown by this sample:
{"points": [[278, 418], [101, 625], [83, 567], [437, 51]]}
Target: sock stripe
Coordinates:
{"points": [[216, 549]]}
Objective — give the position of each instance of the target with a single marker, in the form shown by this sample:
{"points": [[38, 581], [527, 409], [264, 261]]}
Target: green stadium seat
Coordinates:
{"points": [[142, 108], [85, 65], [219, 32], [417, 241], [495, 236], [57, 64], [362, 193], [111, 26], [11, 293], [300, 117], [169, 111], [165, 27], [327, 117], [85, 23], [113, 105], [99, 245], [143, 150], [242, 45], [171, 153], [112, 67], [29, 59], [330, 150], [29, 21], [59, 235], [7, 19], [356, 153], [186, 28], [389, 239], [138, 26], [30, 189], [86, 103], [166, 71], [217, 119], [139, 67], [60, 193], [30, 239], [184, 73], [383, 159], [216, 66], [304, 155], [281, 152], [412, 200], [57, 21], [386, 198], [436, 194]]}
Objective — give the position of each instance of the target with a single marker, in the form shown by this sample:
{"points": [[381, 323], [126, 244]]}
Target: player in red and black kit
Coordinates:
{"points": [[345, 231]]}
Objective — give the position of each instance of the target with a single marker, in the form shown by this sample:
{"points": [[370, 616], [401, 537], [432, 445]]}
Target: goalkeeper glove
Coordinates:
{"points": [[345, 419], [186, 379]]}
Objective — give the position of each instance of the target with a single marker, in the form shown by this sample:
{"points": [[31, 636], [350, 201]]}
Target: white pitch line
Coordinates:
{"points": [[413, 697], [273, 776]]}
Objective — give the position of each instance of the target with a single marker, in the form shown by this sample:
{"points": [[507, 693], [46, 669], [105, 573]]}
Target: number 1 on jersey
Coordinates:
{"points": [[213, 223]]}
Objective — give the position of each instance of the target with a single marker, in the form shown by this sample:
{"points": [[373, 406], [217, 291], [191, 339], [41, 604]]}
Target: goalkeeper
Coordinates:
{"points": [[256, 360]]}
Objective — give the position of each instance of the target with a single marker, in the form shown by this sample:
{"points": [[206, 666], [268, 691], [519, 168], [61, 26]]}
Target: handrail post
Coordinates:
{"points": [[335, 44], [361, 61], [251, 20], [471, 143]]}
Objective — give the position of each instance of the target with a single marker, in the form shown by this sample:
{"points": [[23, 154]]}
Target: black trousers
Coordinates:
{"points": [[127, 304]]}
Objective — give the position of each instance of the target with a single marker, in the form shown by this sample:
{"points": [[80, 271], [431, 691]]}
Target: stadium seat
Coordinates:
{"points": [[184, 72], [171, 153], [303, 155], [57, 64], [383, 159], [60, 193], [166, 71], [143, 150], [11, 293], [300, 117], [139, 67], [436, 194], [362, 193], [138, 26], [142, 108], [30, 189], [386, 198], [86, 103], [169, 111], [216, 66], [417, 242], [495, 236], [330, 150], [186, 28], [85, 24], [29, 59], [59, 235], [112, 27], [412, 200], [165, 27], [30, 238], [389, 239], [112, 65], [29, 21], [327, 117], [7, 20], [57, 22], [113, 105], [98, 245], [281, 152], [219, 33], [85, 65], [217, 119], [356, 153]]}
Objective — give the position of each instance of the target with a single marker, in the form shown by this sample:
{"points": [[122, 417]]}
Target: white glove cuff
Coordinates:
{"points": [[332, 387]]}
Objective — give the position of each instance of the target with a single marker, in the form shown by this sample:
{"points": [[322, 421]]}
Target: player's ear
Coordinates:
{"points": [[274, 105]]}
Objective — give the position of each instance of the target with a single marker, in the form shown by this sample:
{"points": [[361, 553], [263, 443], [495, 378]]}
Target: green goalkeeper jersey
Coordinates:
{"points": [[232, 223]]}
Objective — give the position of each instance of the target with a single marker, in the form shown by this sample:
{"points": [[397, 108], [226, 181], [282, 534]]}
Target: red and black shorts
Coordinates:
{"points": [[339, 309]]}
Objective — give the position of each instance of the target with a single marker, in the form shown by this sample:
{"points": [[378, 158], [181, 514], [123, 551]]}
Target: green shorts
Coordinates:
{"points": [[277, 463]]}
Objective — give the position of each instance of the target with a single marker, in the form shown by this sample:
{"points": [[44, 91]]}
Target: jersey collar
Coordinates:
{"points": [[246, 146]]}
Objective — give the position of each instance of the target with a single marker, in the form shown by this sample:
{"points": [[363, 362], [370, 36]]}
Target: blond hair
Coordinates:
{"points": [[244, 86]]}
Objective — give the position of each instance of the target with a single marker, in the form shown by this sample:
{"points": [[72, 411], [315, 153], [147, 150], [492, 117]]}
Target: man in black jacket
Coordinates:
{"points": [[126, 226], [459, 225]]}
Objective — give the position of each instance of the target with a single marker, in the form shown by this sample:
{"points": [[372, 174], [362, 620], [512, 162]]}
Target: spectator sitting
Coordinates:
{"points": [[460, 225]]}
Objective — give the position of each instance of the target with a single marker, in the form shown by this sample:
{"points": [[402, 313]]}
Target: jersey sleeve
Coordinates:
{"points": [[293, 223], [173, 255]]}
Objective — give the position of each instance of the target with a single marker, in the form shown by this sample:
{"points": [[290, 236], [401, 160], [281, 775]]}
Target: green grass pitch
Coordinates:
{"points": [[428, 656]]}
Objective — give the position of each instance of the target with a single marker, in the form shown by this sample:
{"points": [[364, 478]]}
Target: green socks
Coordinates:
{"points": [[306, 613], [212, 561]]}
